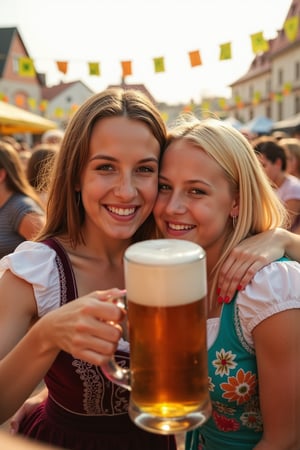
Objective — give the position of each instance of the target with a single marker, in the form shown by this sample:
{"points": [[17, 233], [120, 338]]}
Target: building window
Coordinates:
{"points": [[279, 111], [297, 70], [297, 104], [251, 93], [15, 64], [280, 77], [268, 87]]}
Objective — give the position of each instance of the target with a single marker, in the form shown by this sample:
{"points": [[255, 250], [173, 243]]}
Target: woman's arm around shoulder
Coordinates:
{"points": [[254, 253]]}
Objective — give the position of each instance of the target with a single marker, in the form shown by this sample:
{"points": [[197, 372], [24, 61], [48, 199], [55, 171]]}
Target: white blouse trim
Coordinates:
{"points": [[275, 288]]}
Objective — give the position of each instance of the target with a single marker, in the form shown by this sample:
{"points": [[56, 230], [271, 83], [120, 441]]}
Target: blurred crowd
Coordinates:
{"points": [[24, 178]]}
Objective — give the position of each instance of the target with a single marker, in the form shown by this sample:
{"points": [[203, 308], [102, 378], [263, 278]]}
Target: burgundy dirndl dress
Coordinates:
{"points": [[84, 410]]}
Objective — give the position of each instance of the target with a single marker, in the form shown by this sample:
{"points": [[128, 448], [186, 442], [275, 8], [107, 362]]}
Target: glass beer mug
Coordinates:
{"points": [[166, 287]]}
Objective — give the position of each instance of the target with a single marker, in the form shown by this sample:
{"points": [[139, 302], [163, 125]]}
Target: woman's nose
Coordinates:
{"points": [[126, 189], [176, 205]]}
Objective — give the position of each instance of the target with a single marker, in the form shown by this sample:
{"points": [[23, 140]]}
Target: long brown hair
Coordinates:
{"points": [[65, 212], [16, 179]]}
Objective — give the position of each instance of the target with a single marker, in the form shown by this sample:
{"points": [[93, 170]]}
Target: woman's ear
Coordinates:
{"points": [[235, 210]]}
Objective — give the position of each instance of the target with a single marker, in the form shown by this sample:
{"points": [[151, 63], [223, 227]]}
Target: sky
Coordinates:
{"points": [[111, 31]]}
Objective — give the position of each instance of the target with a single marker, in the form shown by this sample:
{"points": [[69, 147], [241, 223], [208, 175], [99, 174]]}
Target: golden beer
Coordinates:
{"points": [[166, 288], [168, 360]]}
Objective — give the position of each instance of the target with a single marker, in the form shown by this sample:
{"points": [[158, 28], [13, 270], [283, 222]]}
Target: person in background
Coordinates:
{"points": [[52, 137], [103, 189], [39, 168], [296, 132], [21, 212], [273, 158], [292, 150], [213, 191]]}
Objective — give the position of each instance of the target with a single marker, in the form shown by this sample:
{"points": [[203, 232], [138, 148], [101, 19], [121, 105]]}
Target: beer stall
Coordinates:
{"points": [[15, 120]]}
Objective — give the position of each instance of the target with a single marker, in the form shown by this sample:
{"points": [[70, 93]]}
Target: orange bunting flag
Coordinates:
{"points": [[126, 68], [195, 58], [43, 105], [26, 67], [94, 68], [20, 100], [291, 27], [259, 44], [62, 66], [225, 51], [159, 64]]}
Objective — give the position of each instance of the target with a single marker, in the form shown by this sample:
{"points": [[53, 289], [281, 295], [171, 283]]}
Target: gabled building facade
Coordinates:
{"points": [[271, 86], [14, 88]]}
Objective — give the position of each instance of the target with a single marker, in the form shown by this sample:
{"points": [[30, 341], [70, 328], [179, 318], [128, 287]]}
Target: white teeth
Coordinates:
{"points": [[121, 211], [179, 227]]}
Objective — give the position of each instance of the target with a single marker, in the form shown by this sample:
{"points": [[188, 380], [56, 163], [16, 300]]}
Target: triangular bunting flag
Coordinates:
{"points": [[126, 68], [32, 103], [287, 88], [195, 58], [94, 68], [225, 51], [26, 67], [43, 105], [62, 66], [291, 27], [259, 44], [159, 64]]}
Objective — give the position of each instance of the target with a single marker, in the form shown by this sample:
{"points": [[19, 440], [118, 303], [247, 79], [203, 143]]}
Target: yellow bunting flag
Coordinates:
{"points": [[287, 88], [259, 44], [159, 64], [62, 66], [195, 58], [32, 103], [256, 98], [291, 27], [278, 97], [59, 113], [26, 67], [126, 68], [94, 68], [225, 51], [222, 103]]}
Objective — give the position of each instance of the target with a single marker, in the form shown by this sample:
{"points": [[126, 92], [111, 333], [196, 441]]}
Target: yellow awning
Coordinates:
{"points": [[17, 120]]}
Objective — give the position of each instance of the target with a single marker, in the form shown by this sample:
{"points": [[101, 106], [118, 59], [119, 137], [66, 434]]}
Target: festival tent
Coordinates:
{"points": [[258, 125], [287, 124], [16, 120]]}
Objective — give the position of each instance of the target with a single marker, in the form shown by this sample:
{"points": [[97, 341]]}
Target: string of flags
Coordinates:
{"points": [[258, 42], [259, 45]]}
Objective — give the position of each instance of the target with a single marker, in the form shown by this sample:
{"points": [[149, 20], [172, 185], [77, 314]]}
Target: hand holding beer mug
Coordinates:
{"points": [[166, 284]]}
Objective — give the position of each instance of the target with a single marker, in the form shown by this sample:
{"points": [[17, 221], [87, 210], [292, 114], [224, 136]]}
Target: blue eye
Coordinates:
{"points": [[163, 187], [105, 167], [146, 169]]}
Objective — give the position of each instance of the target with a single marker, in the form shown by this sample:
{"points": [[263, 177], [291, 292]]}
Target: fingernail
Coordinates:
{"points": [[220, 299], [218, 291], [226, 299], [240, 287]]}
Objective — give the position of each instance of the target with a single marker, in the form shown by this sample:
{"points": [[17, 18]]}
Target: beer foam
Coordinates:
{"points": [[165, 272]]}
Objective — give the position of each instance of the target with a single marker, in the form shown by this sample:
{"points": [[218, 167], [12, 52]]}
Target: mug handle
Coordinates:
{"points": [[111, 368], [117, 374]]}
